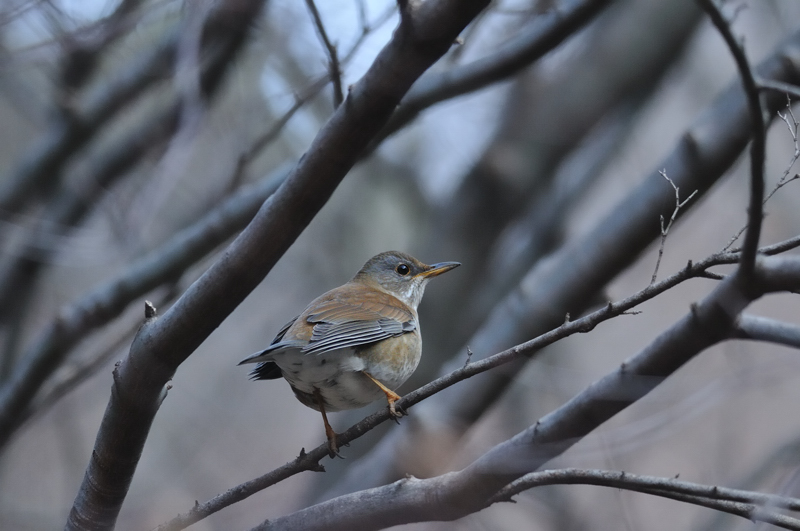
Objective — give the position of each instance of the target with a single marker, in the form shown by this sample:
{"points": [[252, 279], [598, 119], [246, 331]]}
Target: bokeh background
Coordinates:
{"points": [[570, 135]]}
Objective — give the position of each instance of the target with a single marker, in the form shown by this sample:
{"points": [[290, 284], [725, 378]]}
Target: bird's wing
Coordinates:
{"points": [[339, 324]]}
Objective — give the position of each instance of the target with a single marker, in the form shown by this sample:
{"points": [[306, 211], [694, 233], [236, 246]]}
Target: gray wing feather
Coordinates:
{"points": [[329, 336]]}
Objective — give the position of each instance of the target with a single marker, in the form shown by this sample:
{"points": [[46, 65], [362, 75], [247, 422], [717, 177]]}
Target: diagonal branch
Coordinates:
{"points": [[665, 229], [532, 42], [108, 300], [334, 68], [68, 134]]}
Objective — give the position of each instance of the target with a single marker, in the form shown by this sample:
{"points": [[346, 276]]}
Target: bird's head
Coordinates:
{"points": [[401, 275]]}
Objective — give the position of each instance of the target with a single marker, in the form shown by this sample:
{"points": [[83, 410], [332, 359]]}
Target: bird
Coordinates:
{"points": [[354, 344]]}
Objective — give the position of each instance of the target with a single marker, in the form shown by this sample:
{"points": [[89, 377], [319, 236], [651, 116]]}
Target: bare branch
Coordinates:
{"points": [[791, 124], [754, 506], [108, 300], [755, 210], [784, 180], [779, 86], [334, 68], [764, 329], [531, 43]]}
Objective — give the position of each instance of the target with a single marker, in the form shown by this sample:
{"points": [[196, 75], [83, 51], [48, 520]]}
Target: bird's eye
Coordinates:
{"points": [[402, 270]]}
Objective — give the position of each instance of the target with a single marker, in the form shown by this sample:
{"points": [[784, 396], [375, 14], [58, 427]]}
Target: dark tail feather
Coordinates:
{"points": [[266, 370]]}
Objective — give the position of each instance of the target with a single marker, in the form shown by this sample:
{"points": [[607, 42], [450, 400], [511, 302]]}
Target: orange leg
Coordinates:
{"points": [[333, 448], [391, 396]]}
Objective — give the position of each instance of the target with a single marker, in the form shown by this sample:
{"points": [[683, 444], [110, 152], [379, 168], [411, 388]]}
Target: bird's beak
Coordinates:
{"points": [[437, 269]]}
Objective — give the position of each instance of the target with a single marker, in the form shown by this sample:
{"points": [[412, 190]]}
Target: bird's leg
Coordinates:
{"points": [[391, 397], [333, 448]]}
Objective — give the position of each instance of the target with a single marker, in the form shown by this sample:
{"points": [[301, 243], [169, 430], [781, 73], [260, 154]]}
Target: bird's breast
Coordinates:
{"points": [[339, 376], [393, 360]]}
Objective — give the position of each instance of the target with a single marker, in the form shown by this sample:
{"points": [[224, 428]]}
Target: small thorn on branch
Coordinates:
{"points": [[150, 311], [469, 356]]}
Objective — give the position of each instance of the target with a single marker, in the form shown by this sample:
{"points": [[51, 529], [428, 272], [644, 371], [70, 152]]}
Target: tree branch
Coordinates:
{"points": [[68, 134], [755, 210], [754, 506], [770, 330], [334, 68], [107, 301], [532, 42], [778, 86]]}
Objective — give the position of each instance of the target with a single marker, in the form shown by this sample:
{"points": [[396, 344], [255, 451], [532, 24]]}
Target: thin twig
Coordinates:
{"points": [[793, 126], [334, 67], [665, 230]]}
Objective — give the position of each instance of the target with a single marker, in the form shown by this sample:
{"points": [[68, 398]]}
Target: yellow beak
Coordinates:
{"points": [[437, 269]]}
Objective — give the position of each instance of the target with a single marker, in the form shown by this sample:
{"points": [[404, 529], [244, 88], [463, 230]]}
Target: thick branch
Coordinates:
{"points": [[534, 41]]}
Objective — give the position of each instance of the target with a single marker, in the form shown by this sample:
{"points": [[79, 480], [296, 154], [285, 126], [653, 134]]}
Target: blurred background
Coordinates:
{"points": [[110, 150]]}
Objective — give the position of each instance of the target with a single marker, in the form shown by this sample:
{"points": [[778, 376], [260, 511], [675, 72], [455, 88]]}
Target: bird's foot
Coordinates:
{"points": [[396, 411], [333, 448]]}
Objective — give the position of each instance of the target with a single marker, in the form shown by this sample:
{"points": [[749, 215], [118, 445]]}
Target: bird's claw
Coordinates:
{"points": [[333, 449], [396, 412]]}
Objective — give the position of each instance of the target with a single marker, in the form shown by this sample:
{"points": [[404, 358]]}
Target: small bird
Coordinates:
{"points": [[356, 343]]}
